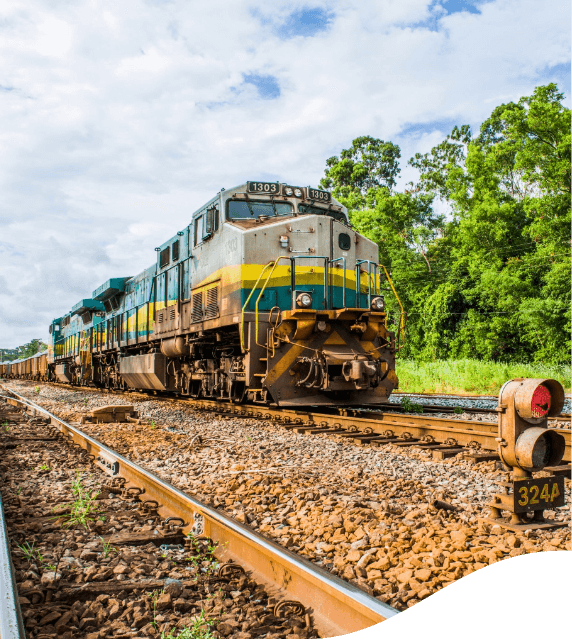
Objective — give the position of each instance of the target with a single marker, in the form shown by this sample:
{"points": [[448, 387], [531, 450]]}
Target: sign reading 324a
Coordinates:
{"points": [[537, 494]]}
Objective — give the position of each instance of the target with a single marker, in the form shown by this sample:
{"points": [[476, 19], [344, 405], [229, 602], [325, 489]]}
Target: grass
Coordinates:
{"points": [[201, 628], [411, 407], [32, 555], [471, 376], [29, 550], [83, 509], [108, 549]]}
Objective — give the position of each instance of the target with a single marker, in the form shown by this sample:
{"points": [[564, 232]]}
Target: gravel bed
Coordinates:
{"points": [[72, 584], [486, 402], [364, 513]]}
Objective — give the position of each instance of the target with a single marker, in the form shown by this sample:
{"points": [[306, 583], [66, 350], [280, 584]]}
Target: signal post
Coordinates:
{"points": [[527, 446]]}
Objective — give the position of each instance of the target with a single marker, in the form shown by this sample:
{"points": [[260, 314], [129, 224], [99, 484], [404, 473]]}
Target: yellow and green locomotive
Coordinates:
{"points": [[268, 295]]}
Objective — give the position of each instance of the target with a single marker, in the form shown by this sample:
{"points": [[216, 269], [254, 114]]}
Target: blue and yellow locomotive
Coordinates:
{"points": [[268, 295]]}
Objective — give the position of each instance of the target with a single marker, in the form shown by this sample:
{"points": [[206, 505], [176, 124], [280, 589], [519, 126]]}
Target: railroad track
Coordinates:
{"points": [[443, 437], [336, 607]]}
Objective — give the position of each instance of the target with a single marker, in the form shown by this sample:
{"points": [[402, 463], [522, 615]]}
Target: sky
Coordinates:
{"points": [[119, 119]]}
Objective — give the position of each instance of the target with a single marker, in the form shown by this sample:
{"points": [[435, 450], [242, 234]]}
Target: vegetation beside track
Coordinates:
{"points": [[479, 246], [471, 376]]}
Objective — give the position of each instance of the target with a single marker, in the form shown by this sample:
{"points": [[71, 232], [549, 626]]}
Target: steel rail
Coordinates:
{"points": [[464, 432], [11, 623], [337, 607]]}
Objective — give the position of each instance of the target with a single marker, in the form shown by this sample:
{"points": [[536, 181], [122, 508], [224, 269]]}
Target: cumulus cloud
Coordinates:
{"points": [[118, 120]]}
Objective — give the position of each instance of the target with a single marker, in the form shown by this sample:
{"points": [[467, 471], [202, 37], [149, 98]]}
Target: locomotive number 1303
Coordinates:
{"points": [[316, 194], [264, 187]]}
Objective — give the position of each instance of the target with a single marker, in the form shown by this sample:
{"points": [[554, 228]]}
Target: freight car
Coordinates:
{"points": [[268, 295]]}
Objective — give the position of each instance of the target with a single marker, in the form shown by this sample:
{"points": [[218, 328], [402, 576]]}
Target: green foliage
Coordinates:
{"points": [[491, 279], [410, 407], [83, 509], [201, 628], [108, 548], [471, 376], [29, 550], [24, 351], [367, 165]]}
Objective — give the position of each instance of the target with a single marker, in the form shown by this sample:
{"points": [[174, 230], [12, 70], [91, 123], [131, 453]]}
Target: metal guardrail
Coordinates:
{"points": [[337, 607], [11, 623]]}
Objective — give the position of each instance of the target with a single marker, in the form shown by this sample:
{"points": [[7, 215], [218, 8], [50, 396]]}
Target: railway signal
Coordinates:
{"points": [[526, 446]]}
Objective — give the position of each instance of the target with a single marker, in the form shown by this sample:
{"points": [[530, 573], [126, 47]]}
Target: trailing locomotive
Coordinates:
{"points": [[268, 295]]}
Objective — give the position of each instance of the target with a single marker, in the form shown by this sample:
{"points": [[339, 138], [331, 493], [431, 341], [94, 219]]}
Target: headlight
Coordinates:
{"points": [[378, 303], [304, 300], [288, 191], [298, 193]]}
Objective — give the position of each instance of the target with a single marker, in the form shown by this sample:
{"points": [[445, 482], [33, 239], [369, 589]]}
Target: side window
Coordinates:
{"points": [[175, 250], [165, 257], [211, 221], [344, 241], [199, 229]]}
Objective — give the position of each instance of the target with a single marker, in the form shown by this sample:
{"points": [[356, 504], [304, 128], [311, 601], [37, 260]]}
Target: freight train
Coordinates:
{"points": [[268, 296]]}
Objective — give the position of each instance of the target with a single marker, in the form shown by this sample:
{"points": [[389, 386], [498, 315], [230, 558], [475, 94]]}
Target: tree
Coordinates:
{"points": [[509, 192], [31, 348], [492, 279], [368, 164], [24, 351]]}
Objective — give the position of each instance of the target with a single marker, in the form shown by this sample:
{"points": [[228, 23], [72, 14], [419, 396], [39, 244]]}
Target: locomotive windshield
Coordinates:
{"points": [[241, 209], [308, 208]]}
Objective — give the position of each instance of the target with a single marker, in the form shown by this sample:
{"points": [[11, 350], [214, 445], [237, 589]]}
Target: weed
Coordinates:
{"points": [[83, 510], [201, 628], [194, 560], [154, 595], [44, 467], [458, 410], [411, 407], [153, 425], [37, 389], [108, 549], [6, 427], [249, 438], [28, 550], [85, 402], [32, 554]]}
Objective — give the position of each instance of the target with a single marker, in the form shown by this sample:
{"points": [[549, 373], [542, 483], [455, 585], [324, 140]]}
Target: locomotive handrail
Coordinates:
{"points": [[370, 263], [244, 349], [326, 275], [256, 314], [343, 281], [402, 315]]}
